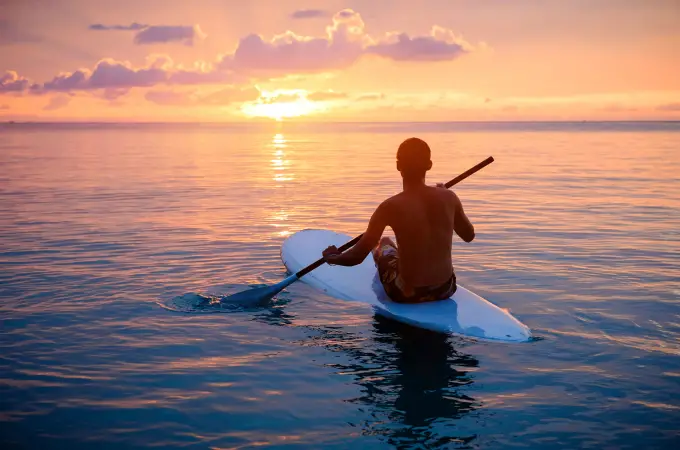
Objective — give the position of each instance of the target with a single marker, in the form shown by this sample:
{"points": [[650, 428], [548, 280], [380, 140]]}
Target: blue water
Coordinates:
{"points": [[117, 243]]}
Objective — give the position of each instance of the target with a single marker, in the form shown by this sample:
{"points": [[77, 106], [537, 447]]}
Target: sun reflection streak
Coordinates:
{"points": [[279, 163], [279, 141], [281, 174], [278, 220]]}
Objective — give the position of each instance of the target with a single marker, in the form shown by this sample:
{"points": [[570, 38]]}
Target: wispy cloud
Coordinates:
{"points": [[157, 34], [371, 96], [440, 45], [134, 26], [222, 97], [167, 97], [309, 14], [322, 96], [618, 108], [282, 97], [57, 102], [12, 34], [230, 95], [669, 107], [187, 35]]}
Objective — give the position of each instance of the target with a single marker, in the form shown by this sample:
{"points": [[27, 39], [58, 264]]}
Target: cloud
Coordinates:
{"points": [[323, 96], [618, 108], [344, 43], [281, 97], [230, 95], [309, 14], [370, 96], [115, 78], [57, 102], [112, 94], [134, 26], [669, 107], [12, 34], [108, 73], [156, 34], [289, 52], [167, 97], [441, 45], [222, 97], [118, 76], [3, 107], [12, 82], [203, 73]]}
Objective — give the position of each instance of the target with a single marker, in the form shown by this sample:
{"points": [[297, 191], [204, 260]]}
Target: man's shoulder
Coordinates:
{"points": [[450, 194], [446, 193], [388, 206], [448, 198], [393, 200]]}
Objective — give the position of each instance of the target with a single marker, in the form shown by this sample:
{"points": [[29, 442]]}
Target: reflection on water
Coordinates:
{"points": [[278, 220], [412, 380], [280, 165], [275, 313]]}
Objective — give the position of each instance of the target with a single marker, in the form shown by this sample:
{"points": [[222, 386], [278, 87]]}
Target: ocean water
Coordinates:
{"points": [[108, 234]]}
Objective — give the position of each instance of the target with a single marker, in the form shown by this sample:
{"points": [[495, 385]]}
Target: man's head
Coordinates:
{"points": [[413, 158]]}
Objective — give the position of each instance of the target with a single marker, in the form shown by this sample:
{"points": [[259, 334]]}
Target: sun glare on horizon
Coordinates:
{"points": [[281, 104]]}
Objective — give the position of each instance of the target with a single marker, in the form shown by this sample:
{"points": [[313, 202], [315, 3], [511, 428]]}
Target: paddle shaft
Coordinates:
{"points": [[351, 243]]}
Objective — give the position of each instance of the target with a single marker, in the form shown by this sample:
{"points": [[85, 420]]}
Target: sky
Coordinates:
{"points": [[378, 60]]}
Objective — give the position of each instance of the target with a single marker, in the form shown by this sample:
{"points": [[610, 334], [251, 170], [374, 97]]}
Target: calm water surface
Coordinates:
{"points": [[104, 230]]}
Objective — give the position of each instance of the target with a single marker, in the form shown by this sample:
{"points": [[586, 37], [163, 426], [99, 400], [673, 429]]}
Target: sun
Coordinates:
{"points": [[281, 104]]}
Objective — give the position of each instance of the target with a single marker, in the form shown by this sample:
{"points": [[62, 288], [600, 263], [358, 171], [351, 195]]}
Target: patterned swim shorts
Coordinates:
{"points": [[387, 261]]}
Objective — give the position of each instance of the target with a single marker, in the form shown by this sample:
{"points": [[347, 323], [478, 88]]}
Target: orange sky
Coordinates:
{"points": [[157, 60]]}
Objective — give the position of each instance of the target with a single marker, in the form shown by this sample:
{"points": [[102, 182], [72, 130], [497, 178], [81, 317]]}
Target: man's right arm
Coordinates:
{"points": [[461, 224]]}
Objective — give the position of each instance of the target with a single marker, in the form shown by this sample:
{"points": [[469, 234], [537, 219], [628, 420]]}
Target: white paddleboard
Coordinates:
{"points": [[465, 313]]}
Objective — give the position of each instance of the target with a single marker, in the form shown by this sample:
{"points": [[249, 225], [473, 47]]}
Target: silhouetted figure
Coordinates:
{"points": [[423, 219]]}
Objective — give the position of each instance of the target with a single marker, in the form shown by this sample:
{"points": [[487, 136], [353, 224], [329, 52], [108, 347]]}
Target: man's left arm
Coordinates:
{"points": [[356, 254]]}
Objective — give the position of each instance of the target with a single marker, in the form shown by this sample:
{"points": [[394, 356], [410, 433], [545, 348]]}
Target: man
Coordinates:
{"points": [[423, 219]]}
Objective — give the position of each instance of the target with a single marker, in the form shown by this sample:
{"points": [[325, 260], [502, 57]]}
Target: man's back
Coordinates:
{"points": [[423, 220], [418, 268]]}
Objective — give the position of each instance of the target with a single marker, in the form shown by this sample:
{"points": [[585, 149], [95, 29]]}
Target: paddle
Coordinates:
{"points": [[257, 295]]}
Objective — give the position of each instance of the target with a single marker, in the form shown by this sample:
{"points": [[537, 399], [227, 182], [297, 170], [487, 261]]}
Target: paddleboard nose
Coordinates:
{"points": [[520, 334]]}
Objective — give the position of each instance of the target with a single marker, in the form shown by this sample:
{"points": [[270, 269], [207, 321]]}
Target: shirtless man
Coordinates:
{"points": [[423, 219]]}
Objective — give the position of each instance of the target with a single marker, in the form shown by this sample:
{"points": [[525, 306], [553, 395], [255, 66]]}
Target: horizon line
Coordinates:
{"points": [[354, 122]]}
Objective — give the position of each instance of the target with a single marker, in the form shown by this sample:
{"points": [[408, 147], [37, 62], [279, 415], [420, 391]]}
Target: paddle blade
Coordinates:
{"points": [[259, 295]]}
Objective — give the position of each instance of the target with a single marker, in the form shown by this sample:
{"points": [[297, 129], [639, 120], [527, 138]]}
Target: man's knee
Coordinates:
{"points": [[383, 242]]}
